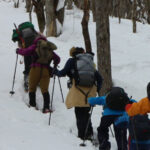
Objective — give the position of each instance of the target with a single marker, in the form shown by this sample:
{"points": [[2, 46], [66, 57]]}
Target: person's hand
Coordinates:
{"points": [[91, 101], [17, 50]]}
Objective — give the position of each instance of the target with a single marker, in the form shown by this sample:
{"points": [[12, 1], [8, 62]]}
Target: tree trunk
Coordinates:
{"points": [[51, 15], [93, 10], [85, 30], [28, 5], [134, 16], [39, 9], [69, 4], [103, 44]]}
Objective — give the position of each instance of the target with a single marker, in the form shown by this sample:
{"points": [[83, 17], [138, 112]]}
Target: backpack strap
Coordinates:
{"points": [[85, 94]]}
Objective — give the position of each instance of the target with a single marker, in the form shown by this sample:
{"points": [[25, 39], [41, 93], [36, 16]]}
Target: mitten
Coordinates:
{"points": [[91, 101]]}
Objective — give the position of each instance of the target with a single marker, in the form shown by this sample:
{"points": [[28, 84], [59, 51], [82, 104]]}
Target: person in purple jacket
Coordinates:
{"points": [[40, 72]]}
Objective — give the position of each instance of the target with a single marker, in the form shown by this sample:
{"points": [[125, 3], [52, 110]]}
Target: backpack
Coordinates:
{"points": [[24, 33], [28, 33], [116, 99], [44, 51], [139, 127], [84, 70]]}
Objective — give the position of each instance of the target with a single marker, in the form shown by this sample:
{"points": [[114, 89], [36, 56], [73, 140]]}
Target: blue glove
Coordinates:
{"points": [[91, 101], [122, 121]]}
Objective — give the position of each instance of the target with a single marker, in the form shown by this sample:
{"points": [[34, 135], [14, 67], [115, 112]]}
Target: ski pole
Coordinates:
{"points": [[111, 132], [83, 143], [61, 90], [12, 90], [52, 100]]}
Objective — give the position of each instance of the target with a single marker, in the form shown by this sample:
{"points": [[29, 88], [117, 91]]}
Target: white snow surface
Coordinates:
{"points": [[23, 128]]}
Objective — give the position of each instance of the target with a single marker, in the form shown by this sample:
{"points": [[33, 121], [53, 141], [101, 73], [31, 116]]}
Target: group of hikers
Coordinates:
{"points": [[84, 83]]}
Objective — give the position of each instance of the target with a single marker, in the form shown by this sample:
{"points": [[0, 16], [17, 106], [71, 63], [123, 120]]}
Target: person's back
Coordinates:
{"points": [[79, 92]]}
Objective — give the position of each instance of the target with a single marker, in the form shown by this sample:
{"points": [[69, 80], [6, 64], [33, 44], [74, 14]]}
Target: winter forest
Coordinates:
{"points": [[116, 32]]}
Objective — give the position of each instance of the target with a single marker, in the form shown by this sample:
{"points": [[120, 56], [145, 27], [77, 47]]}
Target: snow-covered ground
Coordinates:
{"points": [[22, 128]]}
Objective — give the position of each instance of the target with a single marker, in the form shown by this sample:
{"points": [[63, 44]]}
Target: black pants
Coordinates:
{"points": [[103, 134], [82, 117], [27, 63]]}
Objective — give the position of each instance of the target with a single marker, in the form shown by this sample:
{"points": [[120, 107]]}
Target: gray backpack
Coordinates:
{"points": [[84, 70]]}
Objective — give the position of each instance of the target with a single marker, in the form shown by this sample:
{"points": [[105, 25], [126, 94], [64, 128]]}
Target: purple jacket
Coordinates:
{"points": [[30, 51]]}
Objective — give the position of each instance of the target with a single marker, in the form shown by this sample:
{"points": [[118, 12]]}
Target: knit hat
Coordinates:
{"points": [[17, 32]]}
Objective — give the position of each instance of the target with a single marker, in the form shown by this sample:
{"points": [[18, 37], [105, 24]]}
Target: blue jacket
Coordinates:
{"points": [[69, 71], [102, 101]]}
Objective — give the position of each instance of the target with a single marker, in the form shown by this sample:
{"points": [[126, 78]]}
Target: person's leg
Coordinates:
{"points": [[44, 84], [33, 82], [121, 138]]}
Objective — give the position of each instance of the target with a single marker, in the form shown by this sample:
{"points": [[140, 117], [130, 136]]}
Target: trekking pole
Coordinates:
{"points": [[61, 90], [111, 132], [12, 90], [52, 100], [83, 143]]}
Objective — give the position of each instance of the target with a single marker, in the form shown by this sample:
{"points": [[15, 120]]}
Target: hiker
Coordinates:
{"points": [[136, 120], [42, 54], [85, 82], [25, 41], [113, 103], [141, 107]]}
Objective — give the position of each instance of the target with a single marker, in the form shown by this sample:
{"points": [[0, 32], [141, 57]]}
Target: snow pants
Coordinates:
{"points": [[82, 117], [103, 134]]}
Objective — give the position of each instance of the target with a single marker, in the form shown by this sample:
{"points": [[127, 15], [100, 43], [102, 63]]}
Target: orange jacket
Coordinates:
{"points": [[142, 107]]}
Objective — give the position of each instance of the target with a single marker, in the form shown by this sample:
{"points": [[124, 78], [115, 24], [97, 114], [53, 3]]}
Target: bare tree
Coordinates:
{"points": [[134, 16], [28, 5], [39, 9], [51, 15], [69, 4], [85, 30], [16, 4], [103, 43], [93, 9]]}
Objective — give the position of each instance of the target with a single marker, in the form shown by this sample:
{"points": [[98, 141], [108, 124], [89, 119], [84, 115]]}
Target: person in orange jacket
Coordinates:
{"points": [[142, 107]]}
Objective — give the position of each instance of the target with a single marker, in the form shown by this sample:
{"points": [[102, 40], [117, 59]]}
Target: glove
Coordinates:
{"points": [[122, 121], [17, 51], [91, 101]]}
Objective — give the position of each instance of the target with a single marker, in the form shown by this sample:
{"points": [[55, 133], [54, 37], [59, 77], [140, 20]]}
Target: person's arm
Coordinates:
{"points": [[97, 100], [56, 59], [142, 107], [26, 51], [65, 70]]}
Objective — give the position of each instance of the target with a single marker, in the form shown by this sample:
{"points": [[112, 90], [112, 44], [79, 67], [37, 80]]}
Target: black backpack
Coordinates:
{"points": [[139, 127], [84, 70], [116, 98]]}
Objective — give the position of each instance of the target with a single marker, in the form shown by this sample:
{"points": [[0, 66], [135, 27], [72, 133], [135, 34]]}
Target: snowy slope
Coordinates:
{"points": [[22, 128]]}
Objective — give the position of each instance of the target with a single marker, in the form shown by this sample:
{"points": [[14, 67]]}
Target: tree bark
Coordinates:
{"points": [[134, 16], [39, 9], [103, 44], [28, 5], [93, 10], [85, 30]]}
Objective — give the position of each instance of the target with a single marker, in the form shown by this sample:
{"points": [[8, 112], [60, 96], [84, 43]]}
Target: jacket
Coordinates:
{"points": [[142, 107], [75, 97], [30, 51], [102, 101]]}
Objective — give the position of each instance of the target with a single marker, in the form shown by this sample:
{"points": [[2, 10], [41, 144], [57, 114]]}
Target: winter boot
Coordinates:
{"points": [[26, 82], [46, 98], [32, 101]]}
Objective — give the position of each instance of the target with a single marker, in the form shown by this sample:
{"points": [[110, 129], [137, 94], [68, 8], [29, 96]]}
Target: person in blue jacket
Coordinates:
{"points": [[108, 118]]}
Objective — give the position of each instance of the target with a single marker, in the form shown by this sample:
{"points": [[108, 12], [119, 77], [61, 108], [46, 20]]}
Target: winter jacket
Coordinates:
{"points": [[142, 107], [30, 51], [102, 101], [75, 97]]}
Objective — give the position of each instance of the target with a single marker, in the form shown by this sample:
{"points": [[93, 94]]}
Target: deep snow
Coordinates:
{"points": [[22, 128]]}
